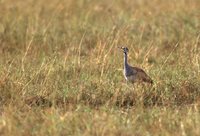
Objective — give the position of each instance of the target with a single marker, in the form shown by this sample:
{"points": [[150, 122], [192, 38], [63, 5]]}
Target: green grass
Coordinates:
{"points": [[61, 70]]}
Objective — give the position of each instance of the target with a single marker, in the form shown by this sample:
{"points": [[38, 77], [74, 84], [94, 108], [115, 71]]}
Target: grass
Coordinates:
{"points": [[61, 71]]}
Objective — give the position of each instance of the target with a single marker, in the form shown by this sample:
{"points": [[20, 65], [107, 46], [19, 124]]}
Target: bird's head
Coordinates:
{"points": [[125, 49]]}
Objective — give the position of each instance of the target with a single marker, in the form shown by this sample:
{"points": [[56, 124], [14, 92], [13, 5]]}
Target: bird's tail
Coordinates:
{"points": [[148, 80]]}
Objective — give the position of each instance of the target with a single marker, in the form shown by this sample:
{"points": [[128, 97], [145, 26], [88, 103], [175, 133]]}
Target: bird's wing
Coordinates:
{"points": [[141, 74]]}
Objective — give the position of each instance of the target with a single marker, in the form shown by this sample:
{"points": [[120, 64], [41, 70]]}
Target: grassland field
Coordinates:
{"points": [[61, 70]]}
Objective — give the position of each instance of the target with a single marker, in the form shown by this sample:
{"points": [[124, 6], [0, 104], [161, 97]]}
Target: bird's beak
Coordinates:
{"points": [[120, 48]]}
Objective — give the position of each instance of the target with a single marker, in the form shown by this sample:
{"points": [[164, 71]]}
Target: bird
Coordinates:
{"points": [[134, 74]]}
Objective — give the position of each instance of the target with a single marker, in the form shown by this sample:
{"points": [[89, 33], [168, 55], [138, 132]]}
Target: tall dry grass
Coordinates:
{"points": [[61, 71]]}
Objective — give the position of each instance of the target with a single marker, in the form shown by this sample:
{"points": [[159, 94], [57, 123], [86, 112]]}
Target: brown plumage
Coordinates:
{"points": [[141, 75]]}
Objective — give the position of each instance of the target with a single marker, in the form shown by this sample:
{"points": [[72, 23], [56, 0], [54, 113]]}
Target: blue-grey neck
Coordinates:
{"points": [[125, 60]]}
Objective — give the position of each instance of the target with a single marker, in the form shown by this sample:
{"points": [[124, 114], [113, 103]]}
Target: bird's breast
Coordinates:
{"points": [[129, 77], [125, 74]]}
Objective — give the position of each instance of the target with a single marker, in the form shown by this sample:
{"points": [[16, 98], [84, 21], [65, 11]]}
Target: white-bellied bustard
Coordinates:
{"points": [[134, 74]]}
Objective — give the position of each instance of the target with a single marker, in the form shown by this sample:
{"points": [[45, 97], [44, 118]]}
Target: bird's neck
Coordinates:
{"points": [[125, 60]]}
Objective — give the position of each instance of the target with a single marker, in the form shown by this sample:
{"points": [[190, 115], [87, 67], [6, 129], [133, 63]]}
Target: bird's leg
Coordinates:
{"points": [[133, 86], [126, 83]]}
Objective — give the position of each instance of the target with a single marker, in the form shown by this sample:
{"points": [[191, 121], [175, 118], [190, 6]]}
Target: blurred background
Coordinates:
{"points": [[61, 70]]}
